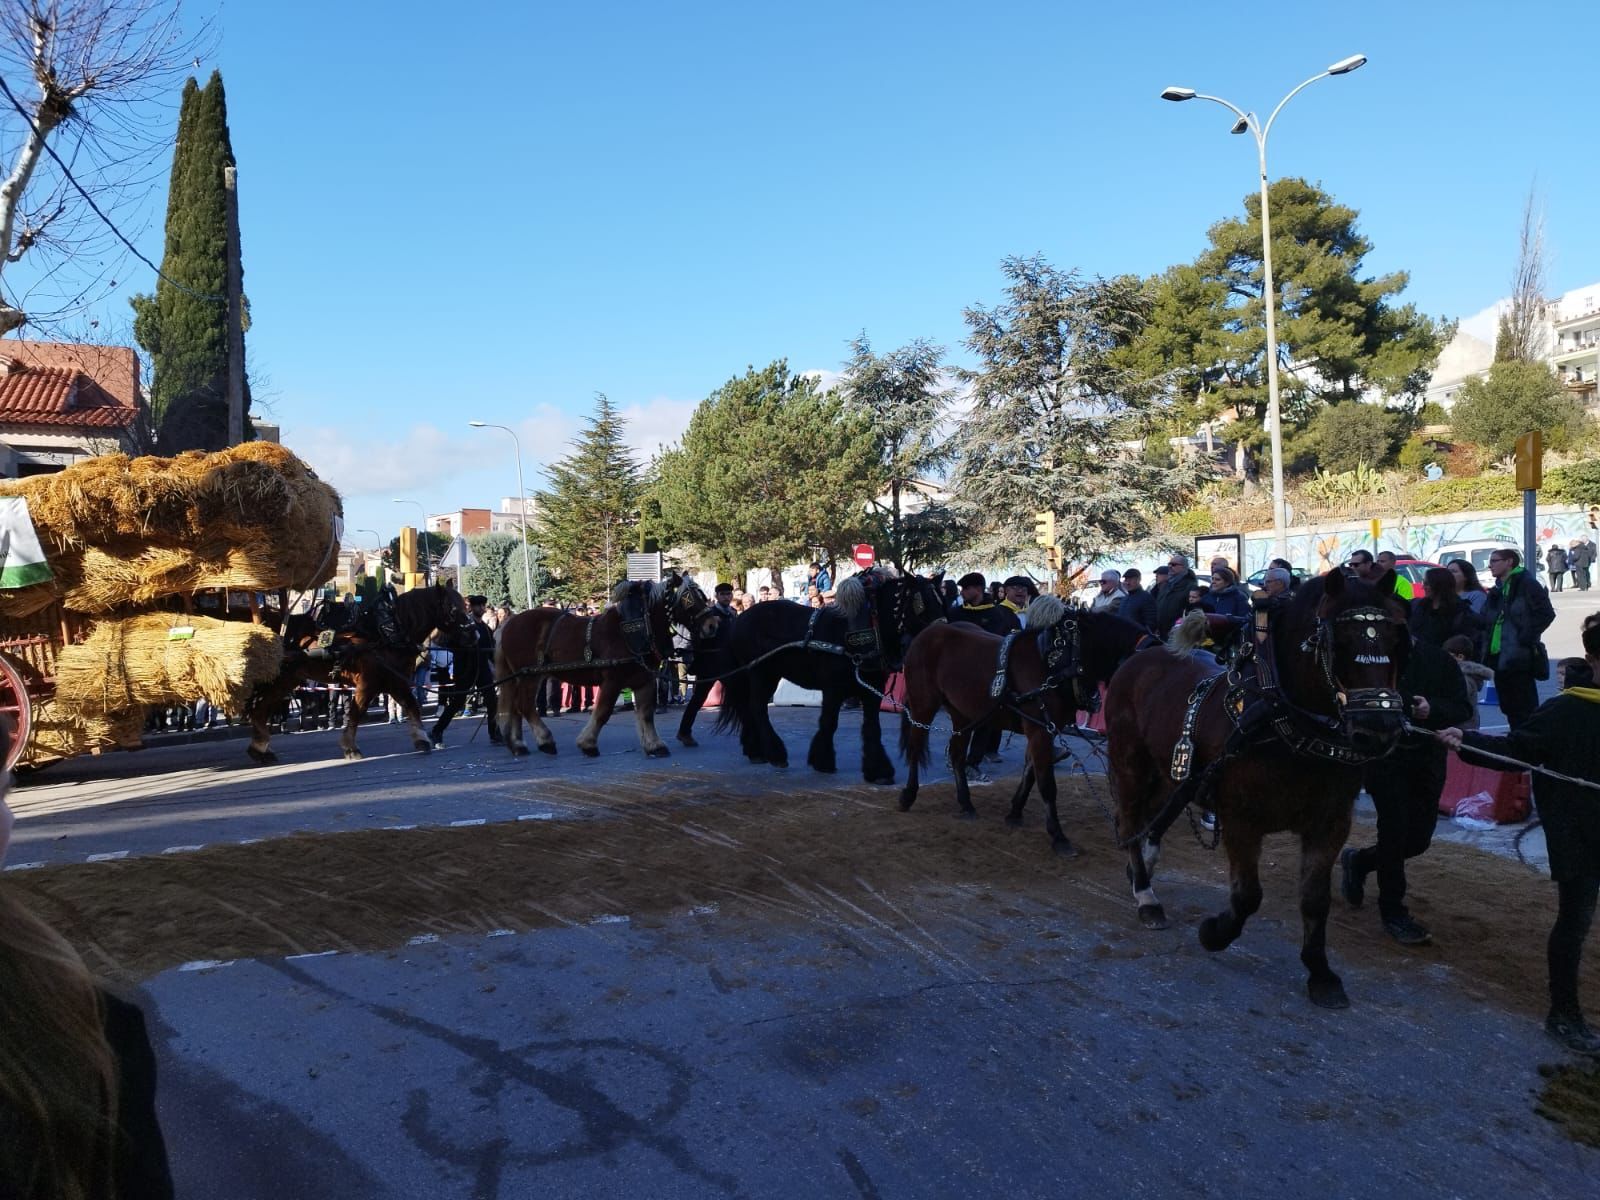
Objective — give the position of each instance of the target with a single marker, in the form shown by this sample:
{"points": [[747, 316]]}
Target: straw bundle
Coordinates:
{"points": [[59, 733], [256, 498], [126, 665]]}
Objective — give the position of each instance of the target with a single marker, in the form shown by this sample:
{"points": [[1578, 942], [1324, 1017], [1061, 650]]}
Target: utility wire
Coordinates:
{"points": [[88, 199]]}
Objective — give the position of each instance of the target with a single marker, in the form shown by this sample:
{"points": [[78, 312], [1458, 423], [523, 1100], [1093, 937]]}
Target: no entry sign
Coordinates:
{"points": [[864, 556]]}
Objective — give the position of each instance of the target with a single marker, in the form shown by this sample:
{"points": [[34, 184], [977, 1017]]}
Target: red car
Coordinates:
{"points": [[1414, 569]]}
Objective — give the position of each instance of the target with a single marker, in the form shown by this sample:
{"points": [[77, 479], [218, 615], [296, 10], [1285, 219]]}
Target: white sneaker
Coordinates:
{"points": [[975, 775]]}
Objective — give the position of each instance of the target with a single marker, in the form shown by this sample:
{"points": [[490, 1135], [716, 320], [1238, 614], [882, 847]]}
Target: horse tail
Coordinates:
{"points": [[923, 755], [735, 698], [1189, 633], [1045, 612]]}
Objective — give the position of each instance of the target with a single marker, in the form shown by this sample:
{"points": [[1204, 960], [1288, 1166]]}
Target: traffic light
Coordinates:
{"points": [[1530, 461], [1053, 556], [1044, 529]]}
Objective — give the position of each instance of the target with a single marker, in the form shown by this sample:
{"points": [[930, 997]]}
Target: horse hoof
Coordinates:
{"points": [[590, 751], [1211, 935], [354, 755], [907, 799], [658, 752], [1327, 993], [547, 748], [756, 760], [781, 763], [1152, 916], [1013, 819], [1064, 848], [264, 757], [823, 768], [880, 780], [424, 747], [522, 751], [687, 739]]}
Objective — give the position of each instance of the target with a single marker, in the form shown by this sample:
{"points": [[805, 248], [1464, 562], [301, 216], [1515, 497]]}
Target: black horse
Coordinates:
{"points": [[860, 638]]}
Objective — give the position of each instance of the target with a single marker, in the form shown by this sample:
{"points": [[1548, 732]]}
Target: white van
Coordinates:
{"points": [[1477, 553]]}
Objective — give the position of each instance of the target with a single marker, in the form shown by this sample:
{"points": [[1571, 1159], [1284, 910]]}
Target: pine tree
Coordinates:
{"points": [[584, 523], [1058, 416], [185, 328]]}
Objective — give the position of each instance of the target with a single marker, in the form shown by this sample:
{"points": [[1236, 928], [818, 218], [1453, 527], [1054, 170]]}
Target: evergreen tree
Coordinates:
{"points": [[1515, 399], [771, 471], [1341, 335], [185, 328], [904, 399], [1058, 417], [584, 522], [488, 578], [516, 586]]}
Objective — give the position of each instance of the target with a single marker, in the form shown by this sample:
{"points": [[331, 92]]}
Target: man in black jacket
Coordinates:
{"points": [[976, 608], [1138, 605], [1405, 789], [472, 670], [1174, 595], [1518, 612]]}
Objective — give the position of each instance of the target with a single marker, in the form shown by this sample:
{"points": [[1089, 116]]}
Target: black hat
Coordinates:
{"points": [[971, 579], [723, 587], [477, 600], [1021, 581]]}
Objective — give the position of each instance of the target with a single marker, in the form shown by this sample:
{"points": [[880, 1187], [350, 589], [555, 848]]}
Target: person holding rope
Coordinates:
{"points": [[1561, 742], [708, 655], [472, 670]]}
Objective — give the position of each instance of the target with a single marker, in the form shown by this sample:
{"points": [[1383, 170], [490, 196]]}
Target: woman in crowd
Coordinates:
{"points": [[1441, 615], [1468, 589], [77, 1075], [1225, 597]]}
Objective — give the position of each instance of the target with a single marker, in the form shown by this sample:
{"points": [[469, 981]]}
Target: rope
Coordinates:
{"points": [[1590, 784]]}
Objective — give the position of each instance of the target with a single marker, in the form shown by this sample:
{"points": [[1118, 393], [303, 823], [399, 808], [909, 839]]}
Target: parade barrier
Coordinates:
{"points": [[1504, 797]]}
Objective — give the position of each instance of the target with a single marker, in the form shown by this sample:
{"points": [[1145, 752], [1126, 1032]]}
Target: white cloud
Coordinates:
{"points": [[656, 423]]}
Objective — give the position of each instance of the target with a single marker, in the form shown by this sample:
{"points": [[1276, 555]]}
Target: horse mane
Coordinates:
{"points": [[621, 590], [1188, 633], [850, 596], [1045, 612]]}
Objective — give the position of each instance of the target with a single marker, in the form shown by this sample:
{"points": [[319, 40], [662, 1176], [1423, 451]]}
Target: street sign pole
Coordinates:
{"points": [[1530, 475]]}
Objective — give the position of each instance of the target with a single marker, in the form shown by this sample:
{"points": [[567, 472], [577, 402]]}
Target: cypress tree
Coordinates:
{"points": [[182, 328], [591, 507]]}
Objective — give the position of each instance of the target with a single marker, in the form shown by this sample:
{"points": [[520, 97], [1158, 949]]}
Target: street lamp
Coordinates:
{"points": [[522, 506], [1249, 121], [422, 536]]}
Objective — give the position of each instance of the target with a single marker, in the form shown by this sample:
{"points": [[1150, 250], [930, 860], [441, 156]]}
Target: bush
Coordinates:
{"points": [[1343, 437], [1517, 397], [1464, 495], [1192, 522], [1416, 454], [1433, 413]]}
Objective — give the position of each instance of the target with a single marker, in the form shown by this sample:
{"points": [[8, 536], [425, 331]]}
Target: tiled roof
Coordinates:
{"points": [[114, 368], [58, 396]]}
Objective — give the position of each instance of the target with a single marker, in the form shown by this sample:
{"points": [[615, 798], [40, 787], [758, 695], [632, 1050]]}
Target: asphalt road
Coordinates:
{"points": [[936, 1042]]}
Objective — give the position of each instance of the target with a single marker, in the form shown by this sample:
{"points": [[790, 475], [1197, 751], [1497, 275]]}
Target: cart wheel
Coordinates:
{"points": [[15, 709]]}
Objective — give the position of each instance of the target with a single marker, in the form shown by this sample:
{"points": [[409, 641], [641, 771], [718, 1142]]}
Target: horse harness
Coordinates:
{"points": [[1262, 716]]}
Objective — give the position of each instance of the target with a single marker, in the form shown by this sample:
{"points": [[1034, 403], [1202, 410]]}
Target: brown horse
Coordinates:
{"points": [[1037, 690], [363, 655], [623, 647], [1276, 743]]}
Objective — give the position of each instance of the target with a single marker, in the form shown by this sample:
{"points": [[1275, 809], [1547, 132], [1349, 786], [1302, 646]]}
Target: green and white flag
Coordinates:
{"points": [[22, 560]]}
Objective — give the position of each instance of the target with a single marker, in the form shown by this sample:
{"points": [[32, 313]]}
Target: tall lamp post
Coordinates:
{"points": [[422, 537], [1249, 121], [522, 506]]}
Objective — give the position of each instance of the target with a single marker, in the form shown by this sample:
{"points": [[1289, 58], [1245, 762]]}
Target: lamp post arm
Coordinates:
{"points": [[1268, 129], [1227, 104]]}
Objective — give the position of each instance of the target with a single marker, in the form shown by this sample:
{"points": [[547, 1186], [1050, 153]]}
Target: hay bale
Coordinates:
{"points": [[60, 733], [136, 662], [123, 532]]}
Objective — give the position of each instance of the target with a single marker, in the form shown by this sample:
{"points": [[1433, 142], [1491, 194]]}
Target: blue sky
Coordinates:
{"points": [[495, 210]]}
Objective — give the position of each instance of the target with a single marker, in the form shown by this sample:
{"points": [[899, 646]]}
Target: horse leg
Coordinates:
{"points": [[1316, 889], [759, 718], [262, 705], [914, 749], [358, 705], [644, 715], [1131, 787], [960, 747], [1019, 798], [820, 755], [1244, 887], [1041, 753], [875, 764], [605, 701]]}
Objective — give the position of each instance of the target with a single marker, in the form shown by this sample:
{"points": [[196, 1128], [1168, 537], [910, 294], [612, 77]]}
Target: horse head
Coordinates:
{"points": [[1057, 627], [682, 599], [422, 610], [1342, 645]]}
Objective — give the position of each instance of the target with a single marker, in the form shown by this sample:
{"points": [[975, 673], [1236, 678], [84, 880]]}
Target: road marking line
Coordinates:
{"points": [[610, 919], [110, 856], [397, 827], [25, 866], [537, 817], [703, 910], [469, 821], [500, 933], [316, 954], [423, 939], [182, 849], [206, 964]]}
